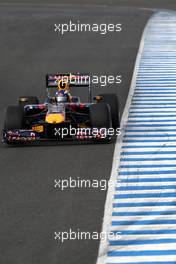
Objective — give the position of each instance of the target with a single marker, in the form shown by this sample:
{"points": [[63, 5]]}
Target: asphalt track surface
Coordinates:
{"points": [[31, 209], [158, 4]]}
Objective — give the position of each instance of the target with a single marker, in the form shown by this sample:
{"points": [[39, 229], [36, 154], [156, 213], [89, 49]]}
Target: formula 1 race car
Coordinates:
{"points": [[62, 116]]}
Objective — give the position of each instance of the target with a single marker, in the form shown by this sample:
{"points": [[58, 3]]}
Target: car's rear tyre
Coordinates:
{"points": [[28, 100], [14, 118], [112, 101]]}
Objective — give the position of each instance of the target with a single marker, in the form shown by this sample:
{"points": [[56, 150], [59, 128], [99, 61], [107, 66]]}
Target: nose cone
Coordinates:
{"points": [[55, 118]]}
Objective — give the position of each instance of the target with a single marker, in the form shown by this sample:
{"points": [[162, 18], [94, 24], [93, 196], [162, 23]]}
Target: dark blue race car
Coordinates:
{"points": [[62, 116]]}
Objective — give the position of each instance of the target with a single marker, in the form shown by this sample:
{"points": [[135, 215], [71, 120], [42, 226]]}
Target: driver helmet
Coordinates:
{"points": [[62, 94]]}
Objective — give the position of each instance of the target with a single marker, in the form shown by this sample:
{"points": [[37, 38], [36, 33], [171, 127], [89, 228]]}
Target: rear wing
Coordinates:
{"points": [[74, 80]]}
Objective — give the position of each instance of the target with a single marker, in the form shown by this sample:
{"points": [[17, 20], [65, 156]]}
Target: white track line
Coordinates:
{"points": [[145, 157], [103, 249]]}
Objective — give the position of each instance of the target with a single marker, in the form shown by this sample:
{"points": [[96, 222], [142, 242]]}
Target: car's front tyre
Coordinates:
{"points": [[14, 118]]}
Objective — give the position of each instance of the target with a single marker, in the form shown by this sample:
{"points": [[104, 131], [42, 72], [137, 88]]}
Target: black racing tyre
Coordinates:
{"points": [[100, 116], [112, 101], [28, 100], [14, 118]]}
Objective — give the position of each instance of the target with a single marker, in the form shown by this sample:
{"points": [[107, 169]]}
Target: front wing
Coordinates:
{"points": [[16, 136]]}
